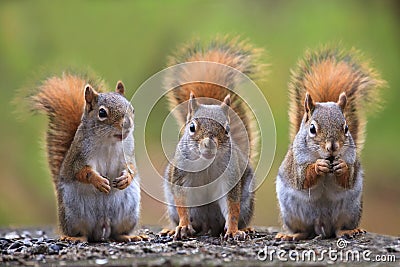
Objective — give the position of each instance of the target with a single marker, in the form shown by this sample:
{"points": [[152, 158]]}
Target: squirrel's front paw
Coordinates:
{"points": [[339, 167], [236, 235], [102, 184], [123, 181], [322, 166], [183, 232]]}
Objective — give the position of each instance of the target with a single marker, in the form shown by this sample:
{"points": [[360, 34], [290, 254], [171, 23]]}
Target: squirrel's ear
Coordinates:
{"points": [[342, 101], [192, 106], [309, 104], [227, 102], [90, 97], [120, 88]]}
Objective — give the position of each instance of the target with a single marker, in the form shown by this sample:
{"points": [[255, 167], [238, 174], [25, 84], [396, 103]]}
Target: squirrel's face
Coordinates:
{"points": [[327, 129], [111, 113], [208, 136], [207, 128]]}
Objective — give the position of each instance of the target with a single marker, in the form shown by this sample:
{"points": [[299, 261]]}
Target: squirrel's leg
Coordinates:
{"points": [[232, 230], [247, 202], [126, 177], [184, 228], [89, 176], [233, 205]]}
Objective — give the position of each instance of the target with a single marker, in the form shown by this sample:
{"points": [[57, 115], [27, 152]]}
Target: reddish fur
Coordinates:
{"points": [[233, 216], [73, 238], [183, 212], [350, 233], [311, 177], [344, 179], [291, 237], [87, 176]]}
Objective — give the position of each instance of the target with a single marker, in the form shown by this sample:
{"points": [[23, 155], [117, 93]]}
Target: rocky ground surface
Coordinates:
{"points": [[31, 247]]}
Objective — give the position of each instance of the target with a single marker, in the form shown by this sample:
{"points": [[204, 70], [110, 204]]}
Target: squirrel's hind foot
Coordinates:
{"points": [[73, 238], [291, 237], [129, 238], [350, 233]]}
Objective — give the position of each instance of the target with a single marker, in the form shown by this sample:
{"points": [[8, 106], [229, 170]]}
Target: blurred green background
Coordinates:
{"points": [[129, 41]]}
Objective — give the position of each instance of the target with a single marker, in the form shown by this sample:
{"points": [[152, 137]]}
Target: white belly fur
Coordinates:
{"points": [[87, 208]]}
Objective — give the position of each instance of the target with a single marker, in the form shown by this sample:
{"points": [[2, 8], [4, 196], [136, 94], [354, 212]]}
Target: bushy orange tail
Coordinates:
{"points": [[62, 100], [325, 74]]}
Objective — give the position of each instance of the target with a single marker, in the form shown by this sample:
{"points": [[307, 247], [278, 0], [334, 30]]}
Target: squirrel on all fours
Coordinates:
{"points": [[209, 183], [90, 150], [319, 183]]}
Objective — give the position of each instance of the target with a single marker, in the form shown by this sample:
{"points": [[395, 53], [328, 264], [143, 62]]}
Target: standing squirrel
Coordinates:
{"points": [[90, 151], [218, 140], [319, 184]]}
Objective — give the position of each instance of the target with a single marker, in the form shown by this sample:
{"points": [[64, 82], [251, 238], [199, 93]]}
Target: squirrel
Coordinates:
{"points": [[90, 149], [319, 183], [212, 144]]}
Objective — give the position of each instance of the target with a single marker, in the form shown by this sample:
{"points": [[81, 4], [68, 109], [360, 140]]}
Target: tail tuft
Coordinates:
{"points": [[62, 100]]}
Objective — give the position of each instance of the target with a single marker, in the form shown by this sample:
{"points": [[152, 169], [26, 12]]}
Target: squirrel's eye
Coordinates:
{"points": [[192, 127], [313, 130], [227, 129], [102, 113], [346, 129]]}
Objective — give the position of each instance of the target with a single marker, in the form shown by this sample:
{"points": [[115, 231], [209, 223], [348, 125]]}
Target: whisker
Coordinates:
{"points": [[349, 145]]}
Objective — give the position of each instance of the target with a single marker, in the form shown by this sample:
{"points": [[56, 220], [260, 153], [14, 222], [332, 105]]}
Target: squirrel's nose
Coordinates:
{"points": [[208, 143], [331, 146]]}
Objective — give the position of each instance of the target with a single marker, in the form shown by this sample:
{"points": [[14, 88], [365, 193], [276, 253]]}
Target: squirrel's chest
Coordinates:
{"points": [[108, 160]]}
